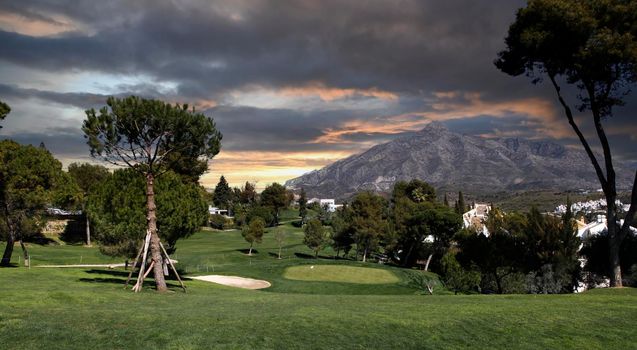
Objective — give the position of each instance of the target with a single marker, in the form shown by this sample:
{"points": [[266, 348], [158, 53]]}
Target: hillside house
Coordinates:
{"points": [[329, 204], [475, 217]]}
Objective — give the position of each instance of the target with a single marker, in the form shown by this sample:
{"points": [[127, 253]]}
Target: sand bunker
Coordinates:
{"points": [[234, 281]]}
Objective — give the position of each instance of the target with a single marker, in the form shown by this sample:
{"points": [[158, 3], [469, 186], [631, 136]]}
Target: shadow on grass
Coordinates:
{"points": [[119, 273], [322, 257], [246, 251], [147, 283], [75, 231], [119, 276], [11, 265], [40, 239]]}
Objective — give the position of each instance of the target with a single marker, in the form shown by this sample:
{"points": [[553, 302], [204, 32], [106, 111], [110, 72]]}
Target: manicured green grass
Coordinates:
{"points": [[340, 273], [55, 254], [78, 308], [88, 308]]}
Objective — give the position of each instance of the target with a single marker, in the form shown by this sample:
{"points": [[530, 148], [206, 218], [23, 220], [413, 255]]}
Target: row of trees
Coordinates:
{"points": [[245, 204], [524, 252], [162, 150]]}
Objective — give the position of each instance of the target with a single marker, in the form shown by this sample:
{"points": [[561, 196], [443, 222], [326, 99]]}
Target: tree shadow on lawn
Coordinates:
{"points": [[74, 232], [246, 251], [11, 265], [322, 257], [119, 277]]}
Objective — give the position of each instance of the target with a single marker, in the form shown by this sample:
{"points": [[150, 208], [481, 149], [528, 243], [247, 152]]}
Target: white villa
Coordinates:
{"points": [[216, 211], [476, 216], [329, 204]]}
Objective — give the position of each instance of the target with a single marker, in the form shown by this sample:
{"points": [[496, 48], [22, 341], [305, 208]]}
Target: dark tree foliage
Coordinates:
{"points": [[302, 206], [462, 207], [501, 253], [4, 111], [248, 194], [150, 137], [592, 46], [416, 190], [30, 179], [275, 196], [343, 230], [223, 194], [457, 278], [87, 176], [415, 216], [551, 247], [253, 232], [542, 247], [117, 208], [369, 222], [265, 213], [315, 236], [595, 251]]}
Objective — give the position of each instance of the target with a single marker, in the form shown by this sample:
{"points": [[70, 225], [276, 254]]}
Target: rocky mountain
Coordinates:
{"points": [[451, 162]]}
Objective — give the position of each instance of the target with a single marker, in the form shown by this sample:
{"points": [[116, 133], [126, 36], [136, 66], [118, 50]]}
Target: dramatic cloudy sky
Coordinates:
{"points": [[292, 85]]}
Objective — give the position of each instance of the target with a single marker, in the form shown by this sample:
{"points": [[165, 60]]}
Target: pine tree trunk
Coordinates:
{"points": [[498, 282], [25, 252], [8, 250], [408, 255], [365, 254], [428, 261], [155, 249], [614, 241], [88, 230]]}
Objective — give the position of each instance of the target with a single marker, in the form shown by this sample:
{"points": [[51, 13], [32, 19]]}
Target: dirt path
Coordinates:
{"points": [[234, 281], [110, 266]]}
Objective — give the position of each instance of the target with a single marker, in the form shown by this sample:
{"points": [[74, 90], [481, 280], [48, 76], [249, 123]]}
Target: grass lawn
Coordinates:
{"points": [[82, 308]]}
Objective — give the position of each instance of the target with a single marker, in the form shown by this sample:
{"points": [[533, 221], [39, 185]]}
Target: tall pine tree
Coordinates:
{"points": [[223, 194], [302, 206]]}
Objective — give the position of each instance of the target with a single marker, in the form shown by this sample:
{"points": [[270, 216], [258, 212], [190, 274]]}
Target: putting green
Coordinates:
{"points": [[340, 273]]}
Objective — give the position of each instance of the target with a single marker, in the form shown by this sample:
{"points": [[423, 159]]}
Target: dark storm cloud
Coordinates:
{"points": [[66, 141], [77, 99], [209, 49], [402, 46], [256, 129]]}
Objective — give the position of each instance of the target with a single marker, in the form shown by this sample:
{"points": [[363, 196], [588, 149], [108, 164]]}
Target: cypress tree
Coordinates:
{"points": [[461, 206]]}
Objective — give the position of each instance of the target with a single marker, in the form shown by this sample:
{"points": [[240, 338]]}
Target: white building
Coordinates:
{"points": [[593, 228], [313, 200], [216, 211], [476, 216], [328, 203], [597, 227]]}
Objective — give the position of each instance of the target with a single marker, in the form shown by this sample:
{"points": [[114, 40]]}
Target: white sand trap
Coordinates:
{"points": [[234, 281]]}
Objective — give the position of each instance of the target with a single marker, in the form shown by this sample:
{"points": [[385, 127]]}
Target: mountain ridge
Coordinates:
{"points": [[451, 161]]}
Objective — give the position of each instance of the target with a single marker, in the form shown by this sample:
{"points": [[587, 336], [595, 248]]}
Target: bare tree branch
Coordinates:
{"points": [[571, 121]]}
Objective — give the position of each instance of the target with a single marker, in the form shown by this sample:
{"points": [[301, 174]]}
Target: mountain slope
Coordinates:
{"points": [[452, 161]]}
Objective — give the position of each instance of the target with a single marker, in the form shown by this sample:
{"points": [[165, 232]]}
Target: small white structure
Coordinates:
{"points": [[593, 228], [328, 203], [476, 216], [313, 200], [216, 211], [597, 227]]}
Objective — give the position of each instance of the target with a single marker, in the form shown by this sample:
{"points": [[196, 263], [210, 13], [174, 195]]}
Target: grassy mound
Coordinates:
{"points": [[340, 273]]}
